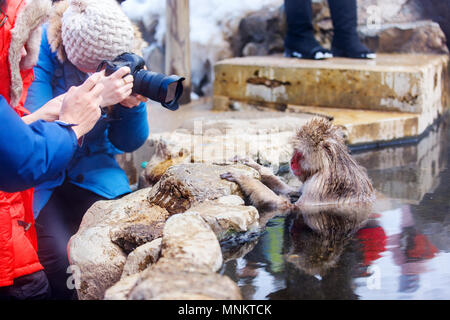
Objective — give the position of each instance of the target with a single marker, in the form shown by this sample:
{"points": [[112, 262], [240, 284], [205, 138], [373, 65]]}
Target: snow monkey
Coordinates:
{"points": [[322, 162]]}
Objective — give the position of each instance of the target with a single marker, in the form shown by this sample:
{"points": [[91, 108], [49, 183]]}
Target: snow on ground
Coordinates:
{"points": [[212, 23]]}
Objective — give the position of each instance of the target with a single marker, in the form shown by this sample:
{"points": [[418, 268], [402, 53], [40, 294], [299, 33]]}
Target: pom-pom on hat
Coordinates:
{"points": [[95, 30]]}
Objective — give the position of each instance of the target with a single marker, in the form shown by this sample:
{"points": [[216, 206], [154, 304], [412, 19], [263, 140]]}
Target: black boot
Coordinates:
{"points": [[346, 42], [300, 41]]}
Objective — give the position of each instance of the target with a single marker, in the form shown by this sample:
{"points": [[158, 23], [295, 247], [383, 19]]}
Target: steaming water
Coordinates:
{"points": [[402, 253]]}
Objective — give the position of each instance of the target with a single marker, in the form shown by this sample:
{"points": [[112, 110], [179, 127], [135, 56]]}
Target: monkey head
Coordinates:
{"points": [[313, 143]]}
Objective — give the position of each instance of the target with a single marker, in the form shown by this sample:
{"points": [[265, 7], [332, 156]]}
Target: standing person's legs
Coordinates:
{"points": [[56, 223], [300, 41], [346, 42]]}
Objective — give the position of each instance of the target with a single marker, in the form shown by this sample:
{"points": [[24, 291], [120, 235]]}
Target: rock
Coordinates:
{"points": [[438, 11], [227, 219], [142, 257], [260, 33], [189, 239], [233, 200], [238, 251], [121, 289], [99, 260], [388, 11], [184, 185], [411, 37], [190, 255], [130, 236], [154, 58], [167, 281]]}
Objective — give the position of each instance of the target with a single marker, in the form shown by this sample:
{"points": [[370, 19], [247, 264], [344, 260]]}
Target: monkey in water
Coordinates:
{"points": [[322, 162]]}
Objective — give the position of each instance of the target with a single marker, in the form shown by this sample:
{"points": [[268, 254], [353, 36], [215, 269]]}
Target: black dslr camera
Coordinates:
{"points": [[156, 86]]}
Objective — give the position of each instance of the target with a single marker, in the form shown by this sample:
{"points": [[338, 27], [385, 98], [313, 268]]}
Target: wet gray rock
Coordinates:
{"points": [[184, 185], [238, 251], [91, 249]]}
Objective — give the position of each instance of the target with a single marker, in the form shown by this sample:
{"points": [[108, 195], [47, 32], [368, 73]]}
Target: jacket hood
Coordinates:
{"points": [[26, 32], [54, 32]]}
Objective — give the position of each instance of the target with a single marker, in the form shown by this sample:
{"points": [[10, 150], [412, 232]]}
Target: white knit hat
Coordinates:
{"points": [[95, 30]]}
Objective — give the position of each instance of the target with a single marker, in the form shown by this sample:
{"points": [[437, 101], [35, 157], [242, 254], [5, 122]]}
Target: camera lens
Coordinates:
{"points": [[159, 87]]}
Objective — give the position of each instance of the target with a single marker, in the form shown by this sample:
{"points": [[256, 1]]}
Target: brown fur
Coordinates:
{"points": [[319, 235], [26, 32], [330, 175]]}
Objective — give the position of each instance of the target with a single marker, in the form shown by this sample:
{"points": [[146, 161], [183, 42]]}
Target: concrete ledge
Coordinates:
{"points": [[392, 82]]}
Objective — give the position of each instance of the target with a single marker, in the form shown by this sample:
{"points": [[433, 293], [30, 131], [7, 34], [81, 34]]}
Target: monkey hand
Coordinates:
{"points": [[229, 177]]}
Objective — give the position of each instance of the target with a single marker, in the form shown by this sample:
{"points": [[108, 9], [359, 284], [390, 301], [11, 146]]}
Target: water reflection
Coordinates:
{"points": [[398, 250], [411, 249], [320, 254]]}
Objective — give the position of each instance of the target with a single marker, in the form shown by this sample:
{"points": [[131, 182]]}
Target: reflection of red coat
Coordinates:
{"points": [[374, 243], [422, 248], [18, 245]]}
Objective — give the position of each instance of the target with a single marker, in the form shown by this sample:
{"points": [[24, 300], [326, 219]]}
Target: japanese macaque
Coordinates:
{"points": [[322, 162]]}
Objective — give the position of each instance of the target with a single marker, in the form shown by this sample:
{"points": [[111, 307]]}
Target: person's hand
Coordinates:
{"points": [[48, 112], [118, 87], [133, 100], [81, 105]]}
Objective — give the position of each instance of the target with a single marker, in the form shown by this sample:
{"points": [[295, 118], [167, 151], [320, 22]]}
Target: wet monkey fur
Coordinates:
{"points": [[322, 162]]}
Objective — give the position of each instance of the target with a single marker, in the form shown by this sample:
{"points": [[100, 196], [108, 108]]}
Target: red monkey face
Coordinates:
{"points": [[295, 164]]}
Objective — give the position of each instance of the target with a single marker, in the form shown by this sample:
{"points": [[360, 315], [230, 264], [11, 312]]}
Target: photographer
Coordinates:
{"points": [[79, 36], [31, 153]]}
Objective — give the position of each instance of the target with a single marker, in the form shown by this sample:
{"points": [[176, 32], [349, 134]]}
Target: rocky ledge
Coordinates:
{"points": [[163, 242]]}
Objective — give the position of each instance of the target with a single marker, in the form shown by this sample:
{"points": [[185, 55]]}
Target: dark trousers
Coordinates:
{"points": [[56, 223], [33, 286], [299, 17]]}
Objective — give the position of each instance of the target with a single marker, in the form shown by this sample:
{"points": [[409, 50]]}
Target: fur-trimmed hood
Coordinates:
{"points": [[26, 32], [54, 32]]}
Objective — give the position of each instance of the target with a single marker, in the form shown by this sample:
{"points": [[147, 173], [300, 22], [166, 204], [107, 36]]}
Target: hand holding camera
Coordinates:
{"points": [[118, 87], [156, 86]]}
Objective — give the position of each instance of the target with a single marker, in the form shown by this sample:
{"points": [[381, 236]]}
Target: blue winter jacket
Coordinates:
{"points": [[29, 154], [93, 166]]}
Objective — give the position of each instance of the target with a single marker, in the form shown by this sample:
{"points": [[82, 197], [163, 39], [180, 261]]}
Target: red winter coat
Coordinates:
{"points": [[18, 245]]}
